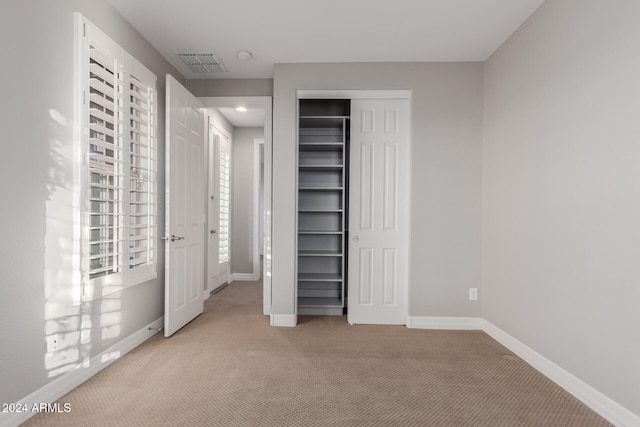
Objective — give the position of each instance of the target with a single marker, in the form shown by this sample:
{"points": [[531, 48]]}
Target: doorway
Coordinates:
{"points": [[248, 122]]}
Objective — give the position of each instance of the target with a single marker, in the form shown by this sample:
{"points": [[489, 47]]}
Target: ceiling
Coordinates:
{"points": [[253, 117], [294, 31]]}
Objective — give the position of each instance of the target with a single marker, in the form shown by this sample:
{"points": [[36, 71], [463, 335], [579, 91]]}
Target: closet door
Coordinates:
{"points": [[379, 211]]}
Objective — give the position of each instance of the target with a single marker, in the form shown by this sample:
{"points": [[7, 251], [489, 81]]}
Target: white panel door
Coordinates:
{"points": [[184, 251], [219, 208], [379, 211]]}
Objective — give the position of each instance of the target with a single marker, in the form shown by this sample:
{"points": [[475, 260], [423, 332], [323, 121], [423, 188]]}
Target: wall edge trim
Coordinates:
{"points": [[62, 385], [283, 320], [444, 323], [606, 407]]}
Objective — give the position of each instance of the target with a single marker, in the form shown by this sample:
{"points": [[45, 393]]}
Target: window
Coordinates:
{"points": [[116, 112], [225, 178]]}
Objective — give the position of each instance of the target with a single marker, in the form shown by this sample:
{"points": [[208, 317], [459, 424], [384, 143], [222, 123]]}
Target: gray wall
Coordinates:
{"points": [[446, 175], [242, 182], [36, 113], [561, 193], [231, 87]]}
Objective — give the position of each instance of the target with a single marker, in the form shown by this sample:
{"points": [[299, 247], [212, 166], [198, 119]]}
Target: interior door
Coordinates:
{"points": [[218, 199], [184, 211], [379, 211]]}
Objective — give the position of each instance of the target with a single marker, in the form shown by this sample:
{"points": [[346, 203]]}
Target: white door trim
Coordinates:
{"points": [[353, 94], [214, 282], [368, 94], [266, 103], [256, 208]]}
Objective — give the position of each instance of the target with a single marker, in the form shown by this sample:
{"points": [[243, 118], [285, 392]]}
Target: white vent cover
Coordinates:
{"points": [[202, 62]]}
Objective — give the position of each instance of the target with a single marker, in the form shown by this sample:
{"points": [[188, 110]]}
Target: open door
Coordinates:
{"points": [[184, 207], [219, 210], [379, 211]]}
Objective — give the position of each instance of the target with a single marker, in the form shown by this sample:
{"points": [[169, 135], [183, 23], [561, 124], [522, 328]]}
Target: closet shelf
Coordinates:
{"points": [[319, 302], [320, 188], [320, 253], [320, 146], [319, 232], [321, 168], [320, 277]]}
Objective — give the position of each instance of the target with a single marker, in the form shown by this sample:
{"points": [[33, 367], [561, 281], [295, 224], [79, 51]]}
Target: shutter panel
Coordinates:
{"points": [[104, 157], [142, 177], [117, 183], [224, 204]]}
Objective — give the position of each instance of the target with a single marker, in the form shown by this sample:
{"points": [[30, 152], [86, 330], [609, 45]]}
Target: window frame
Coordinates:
{"points": [[124, 271]]}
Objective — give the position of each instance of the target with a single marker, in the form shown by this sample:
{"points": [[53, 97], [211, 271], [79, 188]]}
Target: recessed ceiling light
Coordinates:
{"points": [[241, 109], [243, 55]]}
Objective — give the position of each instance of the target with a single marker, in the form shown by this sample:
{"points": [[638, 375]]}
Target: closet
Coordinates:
{"points": [[353, 191], [323, 160]]}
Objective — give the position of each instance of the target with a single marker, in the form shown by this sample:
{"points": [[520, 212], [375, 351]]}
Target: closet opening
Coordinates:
{"points": [[323, 201], [353, 204]]}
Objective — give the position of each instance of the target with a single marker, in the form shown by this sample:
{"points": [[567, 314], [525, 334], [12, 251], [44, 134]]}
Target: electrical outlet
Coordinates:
{"points": [[473, 294], [53, 342]]}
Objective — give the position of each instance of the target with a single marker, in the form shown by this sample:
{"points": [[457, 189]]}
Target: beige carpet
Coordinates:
{"points": [[229, 368]]}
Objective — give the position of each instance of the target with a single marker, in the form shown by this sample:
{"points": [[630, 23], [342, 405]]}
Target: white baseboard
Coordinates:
{"points": [[244, 277], [603, 405], [450, 323], [206, 295], [72, 379], [286, 320]]}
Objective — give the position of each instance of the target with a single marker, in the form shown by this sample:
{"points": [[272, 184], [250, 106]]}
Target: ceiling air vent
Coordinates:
{"points": [[202, 62]]}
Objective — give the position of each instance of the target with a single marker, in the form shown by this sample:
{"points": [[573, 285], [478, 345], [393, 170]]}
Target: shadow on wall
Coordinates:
{"points": [[69, 331]]}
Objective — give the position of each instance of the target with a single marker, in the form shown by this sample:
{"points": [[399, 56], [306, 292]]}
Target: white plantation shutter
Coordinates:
{"points": [[117, 183], [142, 177], [104, 159], [225, 165]]}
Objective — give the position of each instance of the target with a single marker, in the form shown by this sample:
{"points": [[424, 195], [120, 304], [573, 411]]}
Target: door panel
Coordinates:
{"points": [[184, 208], [219, 209], [379, 211]]}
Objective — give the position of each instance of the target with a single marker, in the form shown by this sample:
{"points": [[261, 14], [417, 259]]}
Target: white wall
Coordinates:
{"points": [[36, 111], [446, 175], [562, 191], [230, 87], [243, 176]]}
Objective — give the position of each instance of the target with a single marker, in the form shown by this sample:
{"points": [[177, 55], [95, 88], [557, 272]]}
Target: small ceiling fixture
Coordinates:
{"points": [[241, 109], [244, 55]]}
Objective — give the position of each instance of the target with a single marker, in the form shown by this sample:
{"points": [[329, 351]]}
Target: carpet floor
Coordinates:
{"points": [[228, 367]]}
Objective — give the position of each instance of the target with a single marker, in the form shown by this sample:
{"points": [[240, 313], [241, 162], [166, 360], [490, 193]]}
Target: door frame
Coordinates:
{"points": [[213, 173], [266, 103], [257, 142], [368, 94]]}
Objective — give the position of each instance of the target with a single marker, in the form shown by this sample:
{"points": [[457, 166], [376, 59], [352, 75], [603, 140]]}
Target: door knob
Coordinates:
{"points": [[173, 238], [213, 231], [356, 238]]}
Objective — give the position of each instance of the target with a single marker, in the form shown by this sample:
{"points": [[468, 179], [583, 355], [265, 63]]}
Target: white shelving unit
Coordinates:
{"points": [[322, 144]]}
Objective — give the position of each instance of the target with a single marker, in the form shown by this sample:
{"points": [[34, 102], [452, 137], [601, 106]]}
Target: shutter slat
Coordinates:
{"points": [[139, 120], [139, 133], [101, 59], [101, 143], [139, 96], [101, 101], [101, 72], [99, 114], [140, 108], [99, 86], [101, 129]]}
